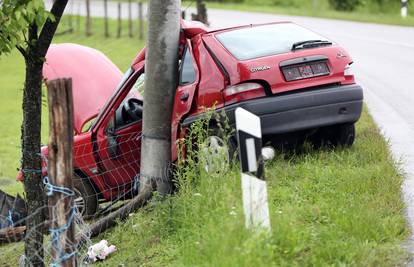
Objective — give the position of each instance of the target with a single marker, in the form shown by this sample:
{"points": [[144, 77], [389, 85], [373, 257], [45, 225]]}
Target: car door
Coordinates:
{"points": [[187, 85], [118, 141]]}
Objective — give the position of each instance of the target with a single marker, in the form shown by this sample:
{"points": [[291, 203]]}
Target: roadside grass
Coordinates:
{"points": [[321, 10], [328, 208], [122, 51]]}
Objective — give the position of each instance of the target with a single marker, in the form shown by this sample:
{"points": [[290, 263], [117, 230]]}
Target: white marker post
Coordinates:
{"points": [[404, 8], [255, 204]]}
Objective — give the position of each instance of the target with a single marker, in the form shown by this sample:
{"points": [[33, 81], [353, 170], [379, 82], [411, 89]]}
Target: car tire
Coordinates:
{"points": [[344, 135], [216, 145], [340, 135], [86, 198]]}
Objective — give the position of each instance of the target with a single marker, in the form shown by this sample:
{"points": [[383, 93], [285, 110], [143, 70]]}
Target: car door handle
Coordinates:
{"points": [[185, 96]]}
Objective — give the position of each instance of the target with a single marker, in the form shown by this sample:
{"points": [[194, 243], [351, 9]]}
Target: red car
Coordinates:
{"points": [[298, 82]]}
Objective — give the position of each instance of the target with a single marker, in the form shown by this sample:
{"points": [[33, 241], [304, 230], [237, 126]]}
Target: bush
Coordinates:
{"points": [[344, 5]]}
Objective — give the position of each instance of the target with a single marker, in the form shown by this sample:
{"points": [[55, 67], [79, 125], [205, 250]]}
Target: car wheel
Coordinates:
{"points": [[217, 151], [344, 135], [340, 135], [86, 199]]}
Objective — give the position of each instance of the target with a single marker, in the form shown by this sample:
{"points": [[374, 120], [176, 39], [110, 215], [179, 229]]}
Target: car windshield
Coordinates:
{"points": [[265, 40]]}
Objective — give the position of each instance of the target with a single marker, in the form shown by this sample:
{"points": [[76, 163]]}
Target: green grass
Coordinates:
{"points": [[122, 51], [328, 207], [321, 10]]}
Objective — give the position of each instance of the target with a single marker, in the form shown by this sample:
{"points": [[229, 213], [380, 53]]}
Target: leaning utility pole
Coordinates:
{"points": [[161, 78]]}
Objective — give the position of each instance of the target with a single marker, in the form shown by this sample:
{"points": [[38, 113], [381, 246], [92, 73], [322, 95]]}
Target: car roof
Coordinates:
{"points": [[193, 28]]}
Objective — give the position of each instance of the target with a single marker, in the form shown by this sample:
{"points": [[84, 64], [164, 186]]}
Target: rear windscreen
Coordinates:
{"points": [[265, 40]]}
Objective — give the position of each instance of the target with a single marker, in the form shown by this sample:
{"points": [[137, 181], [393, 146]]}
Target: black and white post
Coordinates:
{"points": [[255, 204], [404, 8]]}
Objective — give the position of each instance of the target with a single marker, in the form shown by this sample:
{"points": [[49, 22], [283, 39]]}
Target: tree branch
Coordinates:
{"points": [[21, 50], [50, 26]]}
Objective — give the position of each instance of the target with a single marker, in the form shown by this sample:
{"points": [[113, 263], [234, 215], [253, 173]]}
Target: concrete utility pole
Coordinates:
{"points": [[161, 78], [404, 8]]}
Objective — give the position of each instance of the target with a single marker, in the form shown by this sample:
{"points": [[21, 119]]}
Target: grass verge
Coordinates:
{"points": [[328, 207]]}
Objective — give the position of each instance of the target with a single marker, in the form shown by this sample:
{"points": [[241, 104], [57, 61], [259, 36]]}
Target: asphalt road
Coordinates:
{"points": [[384, 65]]}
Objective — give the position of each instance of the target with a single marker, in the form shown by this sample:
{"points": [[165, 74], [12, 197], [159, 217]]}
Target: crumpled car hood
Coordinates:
{"points": [[94, 78]]}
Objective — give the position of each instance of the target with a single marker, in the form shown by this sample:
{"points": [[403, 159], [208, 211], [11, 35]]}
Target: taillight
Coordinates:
{"points": [[349, 74], [242, 91], [348, 71]]}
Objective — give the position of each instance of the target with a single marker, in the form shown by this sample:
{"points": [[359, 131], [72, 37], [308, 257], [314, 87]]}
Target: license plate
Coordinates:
{"points": [[303, 71]]}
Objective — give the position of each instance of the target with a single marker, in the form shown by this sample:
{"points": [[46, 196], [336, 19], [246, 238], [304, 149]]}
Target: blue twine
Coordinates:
{"points": [[53, 188], [34, 171], [56, 232], [10, 219]]}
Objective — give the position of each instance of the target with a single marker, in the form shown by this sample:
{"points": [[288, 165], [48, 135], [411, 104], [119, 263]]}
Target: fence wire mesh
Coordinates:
{"points": [[105, 177]]}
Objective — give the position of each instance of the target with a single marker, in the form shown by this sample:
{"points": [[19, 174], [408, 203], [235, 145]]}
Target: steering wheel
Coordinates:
{"points": [[133, 107]]}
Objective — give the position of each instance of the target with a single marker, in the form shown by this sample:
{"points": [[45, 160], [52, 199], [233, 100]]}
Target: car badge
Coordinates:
{"points": [[261, 68], [340, 55]]}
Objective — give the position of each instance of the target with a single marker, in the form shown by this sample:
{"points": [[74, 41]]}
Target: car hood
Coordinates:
{"points": [[94, 78]]}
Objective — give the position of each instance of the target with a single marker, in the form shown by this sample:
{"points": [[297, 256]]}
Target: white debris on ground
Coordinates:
{"points": [[100, 251]]}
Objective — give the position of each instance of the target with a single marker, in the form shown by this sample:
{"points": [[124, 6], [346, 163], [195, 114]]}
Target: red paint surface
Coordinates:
{"points": [[94, 78]]}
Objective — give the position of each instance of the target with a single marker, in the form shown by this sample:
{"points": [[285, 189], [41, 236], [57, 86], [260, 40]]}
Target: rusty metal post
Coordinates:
{"points": [[60, 168]]}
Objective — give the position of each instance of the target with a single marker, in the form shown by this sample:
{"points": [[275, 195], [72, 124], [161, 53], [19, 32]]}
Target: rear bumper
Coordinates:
{"points": [[302, 110]]}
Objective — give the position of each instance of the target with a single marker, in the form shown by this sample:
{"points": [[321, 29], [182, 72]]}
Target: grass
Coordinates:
{"points": [[122, 51], [323, 11], [338, 207], [328, 208]]}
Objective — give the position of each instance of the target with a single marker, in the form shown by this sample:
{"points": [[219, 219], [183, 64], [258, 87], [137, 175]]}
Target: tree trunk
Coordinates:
{"points": [[31, 133], [161, 68], [31, 164]]}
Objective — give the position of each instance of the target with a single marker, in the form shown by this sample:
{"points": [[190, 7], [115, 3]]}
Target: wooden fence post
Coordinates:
{"points": [[140, 21], [106, 18], [88, 18], [129, 18], [119, 21], [60, 170], [78, 18]]}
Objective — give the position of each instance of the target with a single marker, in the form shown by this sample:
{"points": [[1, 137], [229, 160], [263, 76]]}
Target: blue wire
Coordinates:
{"points": [[56, 232], [35, 171], [10, 219], [53, 188]]}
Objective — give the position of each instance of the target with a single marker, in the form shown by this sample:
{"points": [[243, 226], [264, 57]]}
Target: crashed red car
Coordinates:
{"points": [[299, 83]]}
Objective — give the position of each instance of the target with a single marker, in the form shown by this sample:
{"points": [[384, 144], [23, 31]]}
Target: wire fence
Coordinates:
{"points": [[105, 178]]}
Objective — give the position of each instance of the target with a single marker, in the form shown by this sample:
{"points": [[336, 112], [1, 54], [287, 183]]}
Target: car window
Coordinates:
{"points": [[265, 40], [122, 118], [137, 89], [187, 71]]}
